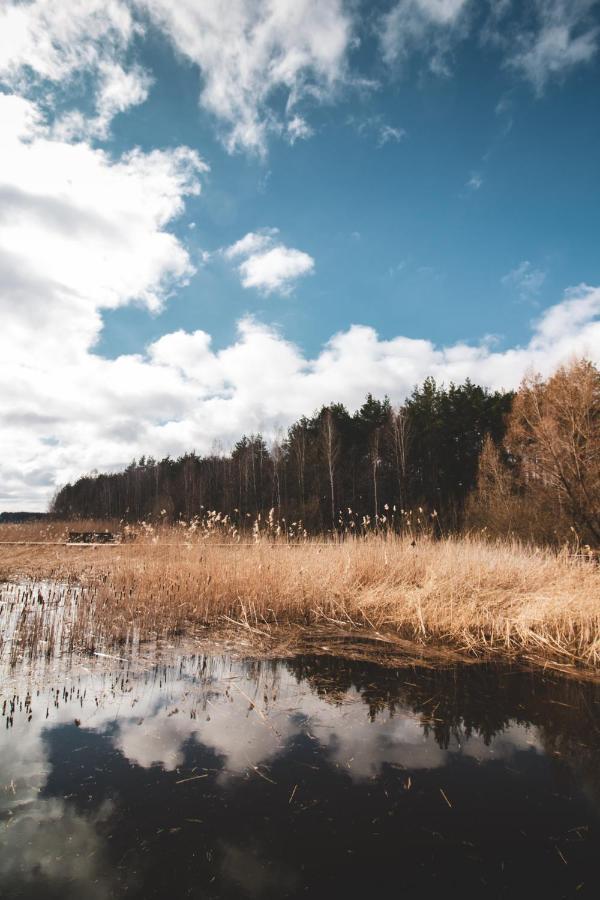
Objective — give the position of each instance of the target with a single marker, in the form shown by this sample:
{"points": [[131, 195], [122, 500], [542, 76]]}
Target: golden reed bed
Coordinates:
{"points": [[464, 593]]}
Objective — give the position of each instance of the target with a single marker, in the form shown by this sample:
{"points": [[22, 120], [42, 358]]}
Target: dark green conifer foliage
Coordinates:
{"points": [[423, 453]]}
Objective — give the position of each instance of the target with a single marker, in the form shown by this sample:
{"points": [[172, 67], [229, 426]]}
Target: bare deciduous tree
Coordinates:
{"points": [[297, 443], [554, 430], [398, 427], [330, 446], [374, 460], [548, 481]]}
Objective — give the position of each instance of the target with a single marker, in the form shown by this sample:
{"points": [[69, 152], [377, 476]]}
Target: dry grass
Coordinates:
{"points": [[467, 594], [49, 530]]}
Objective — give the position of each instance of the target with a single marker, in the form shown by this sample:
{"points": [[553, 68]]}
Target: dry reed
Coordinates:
{"points": [[466, 593]]}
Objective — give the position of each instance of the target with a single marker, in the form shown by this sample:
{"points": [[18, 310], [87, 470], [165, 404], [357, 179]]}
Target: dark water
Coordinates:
{"points": [[202, 776]]}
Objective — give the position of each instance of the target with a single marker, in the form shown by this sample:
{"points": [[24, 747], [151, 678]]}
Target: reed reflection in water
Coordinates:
{"points": [[186, 774]]}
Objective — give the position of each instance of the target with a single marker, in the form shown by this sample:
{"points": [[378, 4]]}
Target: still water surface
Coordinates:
{"points": [[193, 775]]}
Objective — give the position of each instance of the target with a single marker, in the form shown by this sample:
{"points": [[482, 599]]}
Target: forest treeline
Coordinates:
{"points": [[423, 453], [525, 464]]}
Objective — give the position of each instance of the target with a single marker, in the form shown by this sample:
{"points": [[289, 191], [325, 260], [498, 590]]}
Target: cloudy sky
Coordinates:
{"points": [[216, 215]]}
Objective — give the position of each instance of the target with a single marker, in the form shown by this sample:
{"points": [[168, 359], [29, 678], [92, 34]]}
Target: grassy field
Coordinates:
{"points": [[467, 594]]}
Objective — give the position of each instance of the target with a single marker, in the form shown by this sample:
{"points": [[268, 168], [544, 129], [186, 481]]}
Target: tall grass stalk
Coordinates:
{"points": [[478, 596]]}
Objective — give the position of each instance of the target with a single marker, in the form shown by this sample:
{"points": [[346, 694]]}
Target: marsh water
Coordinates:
{"points": [[182, 773]]}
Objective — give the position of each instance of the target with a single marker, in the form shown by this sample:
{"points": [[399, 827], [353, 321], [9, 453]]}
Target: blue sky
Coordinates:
{"points": [[413, 234], [220, 215]]}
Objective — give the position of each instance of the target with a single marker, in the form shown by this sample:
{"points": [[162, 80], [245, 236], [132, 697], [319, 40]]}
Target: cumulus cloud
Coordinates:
{"points": [[184, 394], [117, 90], [87, 229], [251, 243], [526, 279], [52, 41], [276, 269], [262, 65], [43, 43], [246, 52], [81, 232], [267, 264]]}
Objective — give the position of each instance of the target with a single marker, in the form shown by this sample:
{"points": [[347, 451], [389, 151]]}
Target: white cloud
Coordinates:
{"points": [[248, 51], [79, 233], [261, 64], [56, 44], [541, 40], [565, 34], [475, 182], [377, 127], [251, 243], [276, 270], [82, 232], [95, 226], [117, 90], [53, 41], [526, 279], [184, 394], [388, 133], [427, 27], [269, 266], [298, 129]]}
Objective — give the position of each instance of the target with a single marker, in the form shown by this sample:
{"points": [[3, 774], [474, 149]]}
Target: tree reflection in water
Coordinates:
{"points": [[311, 776]]}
